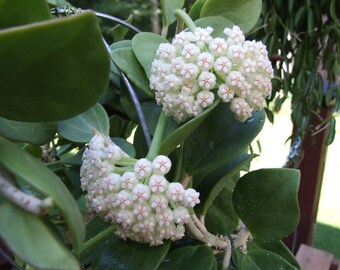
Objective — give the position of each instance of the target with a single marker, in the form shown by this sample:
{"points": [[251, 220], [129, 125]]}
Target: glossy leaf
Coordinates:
{"points": [[125, 146], [125, 59], [196, 8], [189, 257], [20, 12], [218, 23], [36, 174], [262, 259], [130, 255], [52, 70], [144, 46], [212, 184], [168, 7], [219, 139], [34, 133], [181, 133], [80, 128], [243, 13], [266, 201], [119, 31], [31, 239]]}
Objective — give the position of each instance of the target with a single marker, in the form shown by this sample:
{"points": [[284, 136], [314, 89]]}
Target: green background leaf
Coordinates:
{"points": [[218, 139], [80, 128], [130, 255], [34, 133], [35, 173], [30, 238], [144, 46], [190, 257], [125, 59], [266, 201], [20, 12], [168, 7], [243, 13], [52, 70]]}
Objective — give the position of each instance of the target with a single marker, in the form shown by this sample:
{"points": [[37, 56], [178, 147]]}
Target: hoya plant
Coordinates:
{"points": [[135, 154]]}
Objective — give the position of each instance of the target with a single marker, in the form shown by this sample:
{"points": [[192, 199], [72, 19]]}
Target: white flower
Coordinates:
{"points": [[141, 211], [143, 168], [158, 202], [129, 180], [256, 100], [207, 80], [222, 65], [235, 35], [181, 215], [241, 109], [158, 183], [205, 98], [125, 218], [161, 165], [123, 199], [202, 36], [235, 78], [190, 71], [172, 82], [191, 197], [190, 51], [177, 65], [205, 61], [218, 47], [225, 92], [166, 51], [112, 181], [175, 192], [165, 217], [140, 193]]}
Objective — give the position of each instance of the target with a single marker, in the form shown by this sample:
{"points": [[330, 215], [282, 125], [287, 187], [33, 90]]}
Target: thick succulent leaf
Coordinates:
{"points": [[168, 8], [144, 46], [80, 128], [218, 23], [35, 173], [266, 201], [219, 139], [173, 139], [189, 257], [34, 133], [130, 255], [20, 12], [31, 239], [263, 259], [243, 13], [126, 60], [52, 70], [196, 8]]}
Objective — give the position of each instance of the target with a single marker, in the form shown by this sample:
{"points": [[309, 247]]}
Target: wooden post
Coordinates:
{"points": [[312, 168]]}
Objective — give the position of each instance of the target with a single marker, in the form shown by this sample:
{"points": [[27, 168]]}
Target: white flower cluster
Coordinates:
{"points": [[188, 73], [134, 194]]}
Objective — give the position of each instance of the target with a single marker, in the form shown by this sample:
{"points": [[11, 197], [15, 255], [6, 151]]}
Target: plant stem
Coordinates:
{"points": [[183, 16], [158, 136], [99, 237]]}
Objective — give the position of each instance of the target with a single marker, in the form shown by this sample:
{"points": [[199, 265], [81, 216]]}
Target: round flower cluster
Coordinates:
{"points": [[190, 72], [134, 194]]}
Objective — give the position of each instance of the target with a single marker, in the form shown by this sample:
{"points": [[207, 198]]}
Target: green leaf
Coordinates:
{"points": [[266, 201], [218, 23], [243, 13], [178, 135], [332, 131], [52, 70], [212, 184], [144, 46], [262, 259], [34, 133], [32, 241], [168, 8], [130, 255], [80, 128], [219, 139], [125, 59], [189, 257], [35, 173], [196, 8], [119, 31], [125, 146], [57, 3], [20, 12]]}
